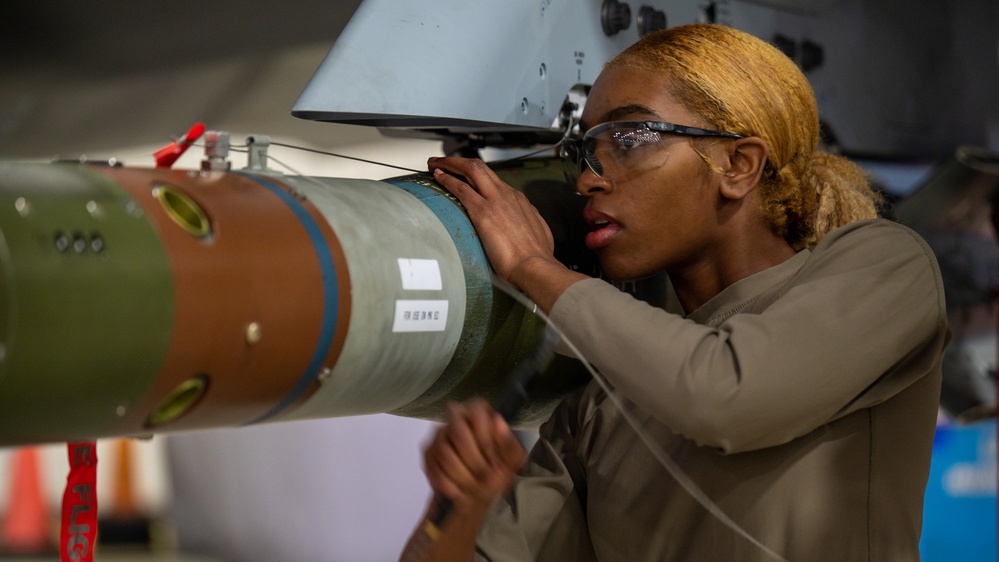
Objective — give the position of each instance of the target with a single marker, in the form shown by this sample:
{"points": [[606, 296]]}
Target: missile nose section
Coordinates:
{"points": [[86, 303]]}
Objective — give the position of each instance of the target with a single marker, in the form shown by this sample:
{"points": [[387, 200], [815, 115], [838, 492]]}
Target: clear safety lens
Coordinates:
{"points": [[613, 152]]}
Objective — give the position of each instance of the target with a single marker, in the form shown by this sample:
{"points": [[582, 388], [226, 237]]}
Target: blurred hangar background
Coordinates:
{"points": [[909, 89]]}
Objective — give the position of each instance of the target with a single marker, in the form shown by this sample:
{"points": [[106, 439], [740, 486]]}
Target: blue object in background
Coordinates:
{"points": [[959, 515]]}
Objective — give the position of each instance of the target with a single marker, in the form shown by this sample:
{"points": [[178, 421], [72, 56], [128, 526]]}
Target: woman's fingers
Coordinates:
{"points": [[469, 437], [460, 189], [480, 177], [445, 471]]}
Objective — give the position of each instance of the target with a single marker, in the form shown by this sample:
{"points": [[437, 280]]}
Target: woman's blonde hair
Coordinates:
{"points": [[741, 84]]}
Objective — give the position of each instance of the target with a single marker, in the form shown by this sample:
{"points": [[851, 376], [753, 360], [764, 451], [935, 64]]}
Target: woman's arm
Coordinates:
{"points": [[862, 319]]}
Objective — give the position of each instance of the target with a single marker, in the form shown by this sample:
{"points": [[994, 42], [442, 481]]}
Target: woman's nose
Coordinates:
{"points": [[589, 184]]}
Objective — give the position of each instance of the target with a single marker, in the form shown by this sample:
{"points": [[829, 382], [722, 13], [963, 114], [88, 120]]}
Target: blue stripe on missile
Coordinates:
{"points": [[478, 283], [458, 225], [330, 296]]}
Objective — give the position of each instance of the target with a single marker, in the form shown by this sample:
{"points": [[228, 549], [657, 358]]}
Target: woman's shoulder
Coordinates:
{"points": [[878, 252], [871, 240], [874, 230]]}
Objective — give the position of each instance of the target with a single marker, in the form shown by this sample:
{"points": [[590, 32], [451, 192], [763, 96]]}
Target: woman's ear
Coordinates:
{"points": [[746, 159]]}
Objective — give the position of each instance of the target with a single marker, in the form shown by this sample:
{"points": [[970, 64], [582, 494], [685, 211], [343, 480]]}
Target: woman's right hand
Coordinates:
{"points": [[513, 233], [473, 457]]}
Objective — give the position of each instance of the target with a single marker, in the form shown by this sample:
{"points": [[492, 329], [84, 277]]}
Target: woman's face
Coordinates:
{"points": [[653, 210]]}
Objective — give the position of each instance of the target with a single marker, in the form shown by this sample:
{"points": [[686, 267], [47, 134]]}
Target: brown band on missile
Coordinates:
{"points": [[249, 299], [343, 300]]}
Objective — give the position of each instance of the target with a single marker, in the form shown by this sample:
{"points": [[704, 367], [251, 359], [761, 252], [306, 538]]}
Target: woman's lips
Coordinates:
{"points": [[601, 233]]}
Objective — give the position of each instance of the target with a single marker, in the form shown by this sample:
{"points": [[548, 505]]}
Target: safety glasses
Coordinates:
{"points": [[624, 145]]}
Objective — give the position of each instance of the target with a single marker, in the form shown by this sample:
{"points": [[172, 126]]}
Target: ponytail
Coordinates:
{"points": [[844, 195]]}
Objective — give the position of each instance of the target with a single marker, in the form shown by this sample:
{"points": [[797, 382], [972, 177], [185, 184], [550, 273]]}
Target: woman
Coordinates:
{"points": [[800, 390]]}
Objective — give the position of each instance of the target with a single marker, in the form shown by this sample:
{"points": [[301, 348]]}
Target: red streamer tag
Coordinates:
{"points": [[78, 535]]}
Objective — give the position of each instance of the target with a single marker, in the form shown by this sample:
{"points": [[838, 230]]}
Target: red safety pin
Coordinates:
{"points": [[166, 156]]}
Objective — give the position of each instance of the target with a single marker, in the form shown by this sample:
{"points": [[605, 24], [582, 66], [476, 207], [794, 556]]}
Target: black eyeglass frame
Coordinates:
{"points": [[574, 148]]}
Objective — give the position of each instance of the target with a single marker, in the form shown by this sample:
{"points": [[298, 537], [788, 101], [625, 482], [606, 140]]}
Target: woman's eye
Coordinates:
{"points": [[630, 140]]}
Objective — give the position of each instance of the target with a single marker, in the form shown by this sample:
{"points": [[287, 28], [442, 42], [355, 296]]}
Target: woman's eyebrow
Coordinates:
{"points": [[616, 114]]}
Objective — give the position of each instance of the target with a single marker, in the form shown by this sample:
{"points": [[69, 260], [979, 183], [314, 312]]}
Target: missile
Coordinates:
{"points": [[137, 301]]}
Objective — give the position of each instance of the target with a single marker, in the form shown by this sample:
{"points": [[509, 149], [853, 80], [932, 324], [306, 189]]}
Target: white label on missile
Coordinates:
{"points": [[420, 316], [420, 275]]}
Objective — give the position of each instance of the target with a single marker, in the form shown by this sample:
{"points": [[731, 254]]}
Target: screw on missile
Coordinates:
{"points": [[253, 333], [95, 210], [61, 242], [96, 243], [79, 243], [22, 206]]}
